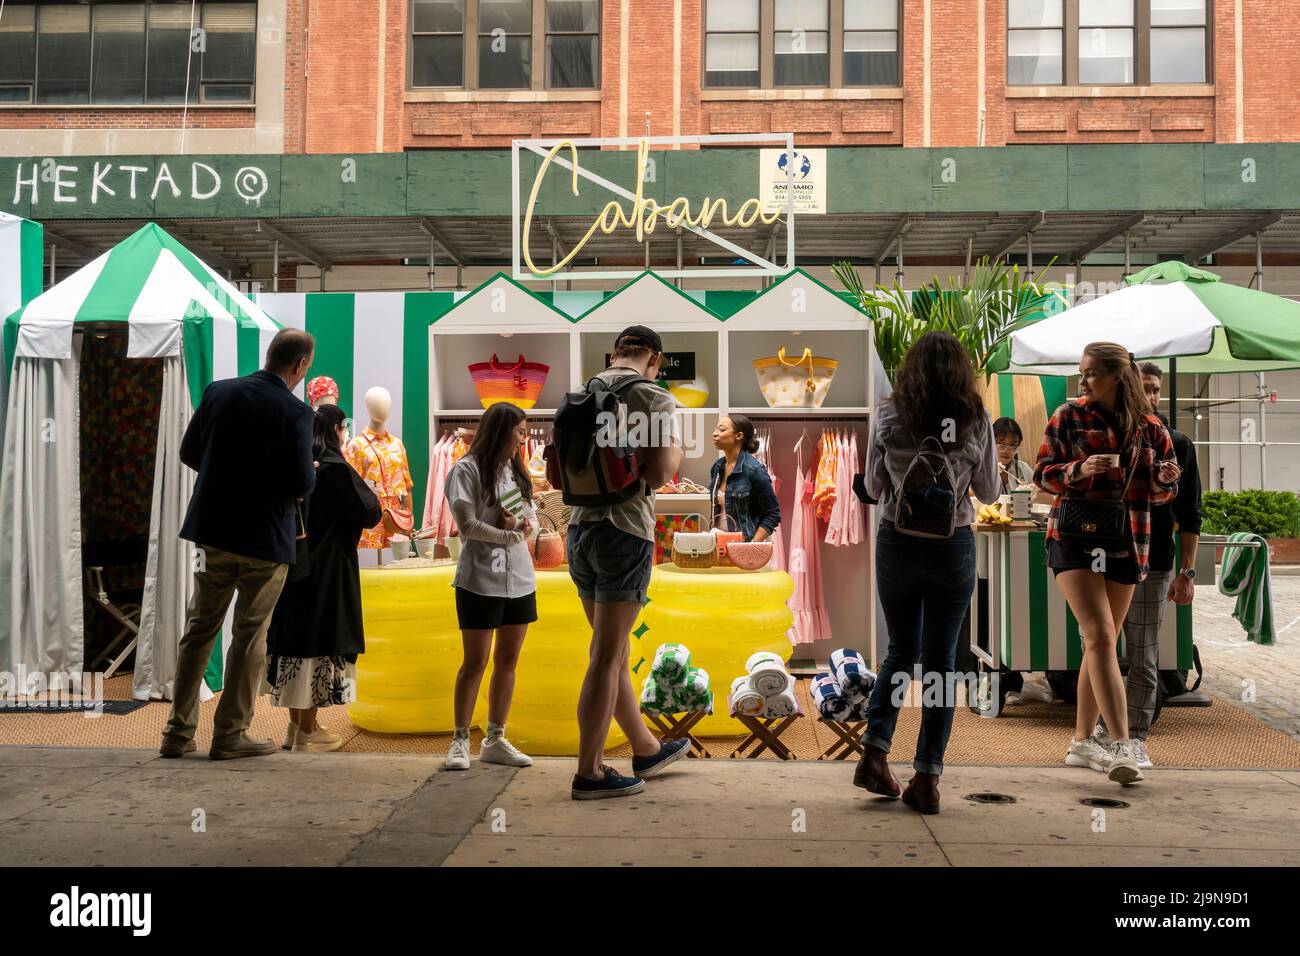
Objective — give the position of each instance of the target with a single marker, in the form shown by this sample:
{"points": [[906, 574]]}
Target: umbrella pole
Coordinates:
{"points": [[1173, 393]]}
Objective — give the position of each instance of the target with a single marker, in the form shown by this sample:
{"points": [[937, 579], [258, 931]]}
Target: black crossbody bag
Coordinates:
{"points": [[1097, 520]]}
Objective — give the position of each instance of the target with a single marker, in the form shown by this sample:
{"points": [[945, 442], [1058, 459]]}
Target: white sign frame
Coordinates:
{"points": [[761, 266]]}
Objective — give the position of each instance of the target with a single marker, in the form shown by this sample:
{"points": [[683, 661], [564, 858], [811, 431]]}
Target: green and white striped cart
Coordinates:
{"points": [[1019, 618]]}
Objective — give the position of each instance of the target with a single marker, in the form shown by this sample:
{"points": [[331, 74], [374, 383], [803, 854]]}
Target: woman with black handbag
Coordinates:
{"points": [[1107, 460], [930, 444]]}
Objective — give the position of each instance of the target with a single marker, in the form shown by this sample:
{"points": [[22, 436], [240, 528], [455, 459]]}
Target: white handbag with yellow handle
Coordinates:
{"points": [[802, 383]]}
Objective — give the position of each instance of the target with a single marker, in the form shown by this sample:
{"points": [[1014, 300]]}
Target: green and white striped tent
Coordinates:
{"points": [[22, 258], [174, 308]]}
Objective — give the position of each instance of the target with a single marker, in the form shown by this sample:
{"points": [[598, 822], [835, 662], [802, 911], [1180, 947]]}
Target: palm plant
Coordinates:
{"points": [[981, 312]]}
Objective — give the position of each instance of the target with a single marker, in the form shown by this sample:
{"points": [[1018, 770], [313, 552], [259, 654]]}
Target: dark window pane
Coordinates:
{"points": [[512, 16], [505, 62], [227, 92], [572, 62], [230, 33], [15, 94], [573, 16], [169, 51], [439, 16], [117, 68], [871, 58], [17, 47], [801, 59], [437, 61], [731, 59], [1034, 57], [63, 49]]}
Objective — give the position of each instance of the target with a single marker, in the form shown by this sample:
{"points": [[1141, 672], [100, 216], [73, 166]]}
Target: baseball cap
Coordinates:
{"points": [[640, 335]]}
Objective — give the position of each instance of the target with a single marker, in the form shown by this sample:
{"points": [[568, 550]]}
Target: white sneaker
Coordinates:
{"points": [[1013, 699], [1088, 753], [458, 755], [1101, 735], [1140, 754], [319, 740], [1123, 763], [290, 735], [502, 751], [1036, 692]]}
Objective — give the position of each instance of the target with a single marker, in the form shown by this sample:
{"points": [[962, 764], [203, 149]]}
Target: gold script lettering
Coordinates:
{"points": [[644, 213]]}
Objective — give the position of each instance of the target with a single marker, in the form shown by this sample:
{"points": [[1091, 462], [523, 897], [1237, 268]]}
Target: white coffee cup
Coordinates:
{"points": [[1112, 461]]}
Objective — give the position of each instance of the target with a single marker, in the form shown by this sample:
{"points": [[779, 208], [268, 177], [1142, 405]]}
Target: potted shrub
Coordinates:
{"points": [[1274, 515]]}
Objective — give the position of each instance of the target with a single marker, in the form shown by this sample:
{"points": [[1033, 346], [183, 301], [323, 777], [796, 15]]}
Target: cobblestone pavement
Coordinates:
{"points": [[1264, 680]]}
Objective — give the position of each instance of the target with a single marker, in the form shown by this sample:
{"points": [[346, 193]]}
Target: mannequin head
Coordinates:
{"points": [[379, 405], [322, 390]]}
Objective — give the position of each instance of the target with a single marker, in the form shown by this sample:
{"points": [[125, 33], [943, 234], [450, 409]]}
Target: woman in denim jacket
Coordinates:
{"points": [[739, 482]]}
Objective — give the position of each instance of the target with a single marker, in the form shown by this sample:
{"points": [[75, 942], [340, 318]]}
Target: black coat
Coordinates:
{"points": [[250, 442], [319, 611]]}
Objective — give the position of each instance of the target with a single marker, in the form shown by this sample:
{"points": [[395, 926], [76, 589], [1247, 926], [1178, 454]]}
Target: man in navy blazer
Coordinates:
{"points": [[250, 441]]}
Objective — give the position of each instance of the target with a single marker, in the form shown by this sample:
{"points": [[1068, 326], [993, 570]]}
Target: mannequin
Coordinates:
{"points": [[379, 457]]}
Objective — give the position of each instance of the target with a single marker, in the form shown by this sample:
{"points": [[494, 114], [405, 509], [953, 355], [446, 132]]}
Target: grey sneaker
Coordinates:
{"points": [[458, 755], [1088, 753], [1140, 754], [499, 750], [1123, 763], [1101, 735], [243, 746]]}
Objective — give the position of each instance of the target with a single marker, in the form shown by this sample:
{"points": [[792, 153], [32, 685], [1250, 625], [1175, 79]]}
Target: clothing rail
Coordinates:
{"points": [[768, 417], [1221, 541]]}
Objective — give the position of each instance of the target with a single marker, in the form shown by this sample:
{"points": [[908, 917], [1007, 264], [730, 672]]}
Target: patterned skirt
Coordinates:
{"points": [[305, 682]]}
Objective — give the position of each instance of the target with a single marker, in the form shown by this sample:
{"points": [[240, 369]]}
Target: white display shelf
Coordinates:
{"points": [[470, 412], [823, 412]]}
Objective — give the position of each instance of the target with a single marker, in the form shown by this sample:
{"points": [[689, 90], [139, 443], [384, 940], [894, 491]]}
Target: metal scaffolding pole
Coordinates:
{"points": [[275, 267], [1263, 409]]}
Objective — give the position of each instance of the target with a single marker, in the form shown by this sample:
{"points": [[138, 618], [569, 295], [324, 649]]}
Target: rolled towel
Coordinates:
{"points": [[829, 697], [670, 663], [856, 712], [767, 674], [657, 698], [781, 705], [850, 669], [744, 699], [693, 693]]}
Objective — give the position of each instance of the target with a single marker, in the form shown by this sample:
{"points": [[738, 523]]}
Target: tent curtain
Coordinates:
{"points": [[41, 622], [168, 579]]}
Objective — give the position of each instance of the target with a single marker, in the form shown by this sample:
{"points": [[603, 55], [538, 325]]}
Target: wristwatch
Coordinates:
{"points": [[1190, 572]]}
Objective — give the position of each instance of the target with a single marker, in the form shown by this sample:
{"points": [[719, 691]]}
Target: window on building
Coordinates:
{"points": [[1107, 42], [1035, 42], [871, 43], [505, 44], [801, 43], [437, 42], [572, 43], [112, 53]]}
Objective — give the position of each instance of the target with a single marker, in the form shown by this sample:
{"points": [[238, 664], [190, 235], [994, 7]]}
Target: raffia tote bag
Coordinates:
{"points": [[801, 383]]}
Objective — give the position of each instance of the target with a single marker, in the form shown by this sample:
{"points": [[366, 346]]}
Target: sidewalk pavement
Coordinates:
{"points": [[65, 807]]}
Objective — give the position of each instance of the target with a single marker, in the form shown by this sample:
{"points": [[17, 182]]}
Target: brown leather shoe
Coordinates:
{"points": [[173, 748], [922, 793], [873, 773], [245, 746]]}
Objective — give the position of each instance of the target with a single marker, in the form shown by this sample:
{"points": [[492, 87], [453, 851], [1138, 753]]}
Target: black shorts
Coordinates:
{"points": [[478, 612], [608, 565], [1066, 555]]}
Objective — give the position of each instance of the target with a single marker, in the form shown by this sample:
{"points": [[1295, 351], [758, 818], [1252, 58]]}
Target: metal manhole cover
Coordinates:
{"points": [[1104, 803], [989, 798]]}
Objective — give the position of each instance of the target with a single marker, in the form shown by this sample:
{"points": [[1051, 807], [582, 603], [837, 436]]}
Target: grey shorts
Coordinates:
{"points": [[609, 565]]}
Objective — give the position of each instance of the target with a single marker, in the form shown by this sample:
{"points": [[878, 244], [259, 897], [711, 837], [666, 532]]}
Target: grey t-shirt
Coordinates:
{"points": [[652, 422]]}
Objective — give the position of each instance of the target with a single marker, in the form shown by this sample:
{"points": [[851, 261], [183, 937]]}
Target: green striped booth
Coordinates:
{"points": [[1031, 627]]}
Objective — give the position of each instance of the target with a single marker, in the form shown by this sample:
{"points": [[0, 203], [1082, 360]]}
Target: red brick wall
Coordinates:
{"points": [[142, 118]]}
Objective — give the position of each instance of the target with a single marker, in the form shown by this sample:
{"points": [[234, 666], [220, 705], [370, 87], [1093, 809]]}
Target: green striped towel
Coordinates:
{"points": [[1245, 575], [512, 500]]}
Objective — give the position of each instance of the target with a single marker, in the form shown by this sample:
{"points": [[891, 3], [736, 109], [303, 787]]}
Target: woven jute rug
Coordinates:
{"points": [[1223, 736]]}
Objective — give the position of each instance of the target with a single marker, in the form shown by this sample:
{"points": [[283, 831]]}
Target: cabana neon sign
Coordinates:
{"points": [[641, 213]]}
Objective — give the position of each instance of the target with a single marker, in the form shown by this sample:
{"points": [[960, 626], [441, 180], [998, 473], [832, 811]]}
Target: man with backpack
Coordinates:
{"points": [[615, 441]]}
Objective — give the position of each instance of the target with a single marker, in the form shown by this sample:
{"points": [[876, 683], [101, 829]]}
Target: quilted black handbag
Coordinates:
{"points": [[1099, 521]]}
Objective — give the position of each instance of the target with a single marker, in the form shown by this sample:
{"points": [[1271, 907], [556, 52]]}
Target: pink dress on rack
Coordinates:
{"points": [[777, 537], [810, 620], [854, 516]]}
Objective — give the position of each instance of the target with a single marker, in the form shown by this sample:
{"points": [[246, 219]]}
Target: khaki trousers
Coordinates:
{"points": [[258, 584]]}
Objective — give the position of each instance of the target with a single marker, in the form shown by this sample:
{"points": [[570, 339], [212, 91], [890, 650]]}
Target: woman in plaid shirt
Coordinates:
{"points": [[1111, 417]]}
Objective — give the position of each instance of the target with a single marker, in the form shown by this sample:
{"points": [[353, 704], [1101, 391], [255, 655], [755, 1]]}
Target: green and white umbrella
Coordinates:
{"points": [[1170, 310], [165, 295]]}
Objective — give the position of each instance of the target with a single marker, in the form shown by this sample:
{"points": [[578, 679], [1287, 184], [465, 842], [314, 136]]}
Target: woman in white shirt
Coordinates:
{"points": [[490, 495]]}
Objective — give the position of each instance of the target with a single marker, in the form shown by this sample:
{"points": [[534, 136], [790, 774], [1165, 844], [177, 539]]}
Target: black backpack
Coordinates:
{"points": [[588, 458], [927, 495]]}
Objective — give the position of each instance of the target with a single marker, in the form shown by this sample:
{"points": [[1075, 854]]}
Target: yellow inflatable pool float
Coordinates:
{"points": [[406, 677]]}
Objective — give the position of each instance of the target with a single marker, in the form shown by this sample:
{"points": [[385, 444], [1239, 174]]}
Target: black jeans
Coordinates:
{"points": [[925, 587]]}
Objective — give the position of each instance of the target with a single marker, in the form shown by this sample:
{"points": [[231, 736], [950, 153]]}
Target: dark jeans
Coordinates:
{"points": [[925, 587]]}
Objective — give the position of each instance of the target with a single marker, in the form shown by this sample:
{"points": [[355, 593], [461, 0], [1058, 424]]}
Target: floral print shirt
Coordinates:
{"points": [[381, 462]]}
